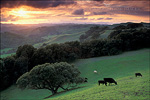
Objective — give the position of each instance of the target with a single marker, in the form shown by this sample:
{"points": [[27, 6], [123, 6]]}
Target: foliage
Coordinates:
{"points": [[25, 51], [7, 72], [94, 33], [119, 41], [134, 25], [21, 66], [120, 67], [120, 27], [50, 76], [132, 39]]}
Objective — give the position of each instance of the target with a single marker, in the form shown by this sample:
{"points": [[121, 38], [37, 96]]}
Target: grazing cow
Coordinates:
{"points": [[102, 82], [110, 80], [138, 74], [85, 79]]}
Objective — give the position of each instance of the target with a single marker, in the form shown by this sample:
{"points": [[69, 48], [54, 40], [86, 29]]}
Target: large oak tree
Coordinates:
{"points": [[50, 76]]}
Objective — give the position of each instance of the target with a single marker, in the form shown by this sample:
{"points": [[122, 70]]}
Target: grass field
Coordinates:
{"points": [[128, 88], [60, 38], [120, 67], [105, 34], [5, 50], [6, 55]]}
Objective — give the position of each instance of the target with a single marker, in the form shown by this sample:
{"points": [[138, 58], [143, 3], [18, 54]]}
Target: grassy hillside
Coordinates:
{"points": [[9, 40], [5, 50], [59, 38], [120, 67], [105, 34], [128, 88], [41, 35], [6, 55]]}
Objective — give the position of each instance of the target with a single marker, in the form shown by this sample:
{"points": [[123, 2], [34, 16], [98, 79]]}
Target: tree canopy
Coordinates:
{"points": [[50, 76]]}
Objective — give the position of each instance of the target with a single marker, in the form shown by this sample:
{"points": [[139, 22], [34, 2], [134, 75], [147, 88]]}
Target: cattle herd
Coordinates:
{"points": [[110, 80]]}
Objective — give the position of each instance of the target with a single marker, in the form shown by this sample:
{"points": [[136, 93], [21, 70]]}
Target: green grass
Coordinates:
{"points": [[5, 55], [5, 50], [50, 39], [106, 33], [67, 34], [131, 88], [120, 67], [74, 30]]}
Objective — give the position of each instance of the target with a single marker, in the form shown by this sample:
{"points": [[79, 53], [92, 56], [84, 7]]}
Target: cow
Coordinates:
{"points": [[138, 74], [95, 71], [85, 79], [110, 80], [102, 82]]}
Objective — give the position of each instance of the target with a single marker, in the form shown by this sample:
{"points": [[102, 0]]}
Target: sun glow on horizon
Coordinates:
{"points": [[80, 13], [19, 12]]}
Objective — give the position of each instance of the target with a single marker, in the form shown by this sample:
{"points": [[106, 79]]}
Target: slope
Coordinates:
{"points": [[120, 67]]}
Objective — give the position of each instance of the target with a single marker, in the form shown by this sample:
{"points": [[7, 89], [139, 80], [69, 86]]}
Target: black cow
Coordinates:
{"points": [[138, 74], [110, 80], [102, 82], [85, 79]]}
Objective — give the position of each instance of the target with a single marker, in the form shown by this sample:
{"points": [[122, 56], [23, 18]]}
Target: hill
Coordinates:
{"points": [[9, 40], [121, 68], [42, 35], [13, 36]]}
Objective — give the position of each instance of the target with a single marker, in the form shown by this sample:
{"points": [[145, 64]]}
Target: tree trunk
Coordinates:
{"points": [[54, 92], [64, 88]]}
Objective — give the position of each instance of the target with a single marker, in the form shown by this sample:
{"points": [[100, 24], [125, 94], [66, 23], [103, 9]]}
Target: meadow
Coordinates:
{"points": [[50, 39], [3, 51], [120, 67]]}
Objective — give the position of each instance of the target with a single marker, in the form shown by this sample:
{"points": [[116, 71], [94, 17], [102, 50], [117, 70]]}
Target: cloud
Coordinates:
{"points": [[100, 18], [81, 18], [9, 18], [35, 3], [78, 12], [136, 13], [99, 13], [108, 18], [99, 1]]}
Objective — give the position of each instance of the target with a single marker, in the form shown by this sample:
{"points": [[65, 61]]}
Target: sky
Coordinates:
{"points": [[74, 11]]}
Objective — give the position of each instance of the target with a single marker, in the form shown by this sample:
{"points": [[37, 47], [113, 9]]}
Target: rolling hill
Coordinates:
{"points": [[13, 36], [120, 67], [9, 40]]}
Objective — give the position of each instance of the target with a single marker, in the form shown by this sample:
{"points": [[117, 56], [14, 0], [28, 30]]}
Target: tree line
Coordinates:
{"points": [[93, 33], [27, 56]]}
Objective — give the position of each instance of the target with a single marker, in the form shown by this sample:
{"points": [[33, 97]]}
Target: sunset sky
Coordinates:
{"points": [[74, 11]]}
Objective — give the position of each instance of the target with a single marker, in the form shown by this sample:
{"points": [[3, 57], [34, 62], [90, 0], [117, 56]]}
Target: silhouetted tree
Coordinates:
{"points": [[50, 76], [25, 51], [134, 25], [21, 66]]}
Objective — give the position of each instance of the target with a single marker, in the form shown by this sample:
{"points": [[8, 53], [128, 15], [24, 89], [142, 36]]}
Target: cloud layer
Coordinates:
{"points": [[35, 3], [74, 11], [78, 12]]}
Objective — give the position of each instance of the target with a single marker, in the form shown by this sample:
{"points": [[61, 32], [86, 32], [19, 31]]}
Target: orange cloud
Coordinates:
{"points": [[106, 11]]}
